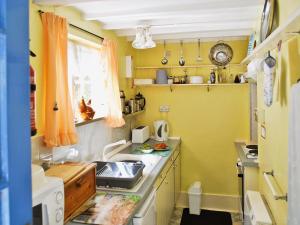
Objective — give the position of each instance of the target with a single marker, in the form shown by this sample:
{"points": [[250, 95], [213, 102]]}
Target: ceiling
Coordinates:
{"points": [[171, 19]]}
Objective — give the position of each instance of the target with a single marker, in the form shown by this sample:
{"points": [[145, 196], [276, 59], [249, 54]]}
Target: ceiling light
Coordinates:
{"points": [[143, 38]]}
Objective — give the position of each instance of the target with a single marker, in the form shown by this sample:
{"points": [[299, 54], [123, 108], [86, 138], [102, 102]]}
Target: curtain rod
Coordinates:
{"points": [[79, 28]]}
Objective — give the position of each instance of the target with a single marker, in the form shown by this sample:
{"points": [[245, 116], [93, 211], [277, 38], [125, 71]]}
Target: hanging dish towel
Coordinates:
{"points": [[269, 72], [294, 157]]}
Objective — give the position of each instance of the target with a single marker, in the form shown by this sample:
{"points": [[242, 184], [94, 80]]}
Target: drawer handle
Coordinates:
{"points": [[79, 182]]}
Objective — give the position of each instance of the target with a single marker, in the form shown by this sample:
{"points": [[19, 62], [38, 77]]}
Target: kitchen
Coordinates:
{"points": [[206, 108]]}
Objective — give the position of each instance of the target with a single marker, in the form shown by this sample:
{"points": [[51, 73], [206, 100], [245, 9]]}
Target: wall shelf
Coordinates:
{"points": [[287, 30], [126, 116], [184, 67], [183, 85], [208, 86]]}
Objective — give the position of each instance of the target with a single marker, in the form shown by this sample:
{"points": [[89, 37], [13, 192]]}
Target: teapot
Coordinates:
{"points": [[140, 99]]}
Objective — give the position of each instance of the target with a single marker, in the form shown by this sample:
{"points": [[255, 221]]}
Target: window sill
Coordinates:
{"points": [[81, 123], [84, 122]]}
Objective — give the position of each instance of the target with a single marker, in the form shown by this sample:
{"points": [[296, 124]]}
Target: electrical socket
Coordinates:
{"points": [[164, 108]]}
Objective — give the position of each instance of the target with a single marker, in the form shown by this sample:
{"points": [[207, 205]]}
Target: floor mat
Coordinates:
{"points": [[206, 218]]}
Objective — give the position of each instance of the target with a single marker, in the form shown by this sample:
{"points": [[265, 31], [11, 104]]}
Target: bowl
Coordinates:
{"points": [[147, 151]]}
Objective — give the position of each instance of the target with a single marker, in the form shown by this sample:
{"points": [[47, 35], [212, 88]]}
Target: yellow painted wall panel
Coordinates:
{"points": [[208, 123], [274, 149]]}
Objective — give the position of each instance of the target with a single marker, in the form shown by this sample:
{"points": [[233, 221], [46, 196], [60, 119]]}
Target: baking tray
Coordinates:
{"points": [[118, 174]]}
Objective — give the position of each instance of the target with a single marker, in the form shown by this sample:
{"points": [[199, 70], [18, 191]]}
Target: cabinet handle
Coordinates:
{"points": [[79, 182]]}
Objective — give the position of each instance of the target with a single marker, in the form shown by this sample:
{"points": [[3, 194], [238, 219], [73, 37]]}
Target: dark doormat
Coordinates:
{"points": [[206, 218]]}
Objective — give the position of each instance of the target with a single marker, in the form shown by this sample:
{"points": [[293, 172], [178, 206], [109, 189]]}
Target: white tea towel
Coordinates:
{"points": [[268, 83], [294, 157]]}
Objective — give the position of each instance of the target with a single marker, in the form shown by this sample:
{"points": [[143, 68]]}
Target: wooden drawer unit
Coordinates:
{"points": [[79, 189]]}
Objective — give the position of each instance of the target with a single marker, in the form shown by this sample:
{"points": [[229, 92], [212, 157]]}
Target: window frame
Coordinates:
{"points": [[89, 44]]}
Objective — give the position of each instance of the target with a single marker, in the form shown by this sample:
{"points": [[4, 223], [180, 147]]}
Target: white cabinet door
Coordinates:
{"points": [[171, 193], [177, 169], [162, 203]]}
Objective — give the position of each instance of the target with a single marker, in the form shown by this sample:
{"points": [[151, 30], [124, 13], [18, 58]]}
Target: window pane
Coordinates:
{"points": [[86, 78]]}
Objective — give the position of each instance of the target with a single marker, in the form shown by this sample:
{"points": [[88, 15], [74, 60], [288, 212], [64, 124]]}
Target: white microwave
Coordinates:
{"points": [[48, 202]]}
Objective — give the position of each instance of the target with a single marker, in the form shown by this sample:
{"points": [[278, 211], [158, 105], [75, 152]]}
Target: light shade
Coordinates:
{"points": [[143, 38]]}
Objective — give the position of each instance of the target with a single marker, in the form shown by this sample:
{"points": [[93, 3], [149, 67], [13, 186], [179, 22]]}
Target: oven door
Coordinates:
{"points": [[240, 176], [40, 215]]}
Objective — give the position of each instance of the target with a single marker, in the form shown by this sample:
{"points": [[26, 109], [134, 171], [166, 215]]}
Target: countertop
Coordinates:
{"points": [[148, 184], [242, 156]]}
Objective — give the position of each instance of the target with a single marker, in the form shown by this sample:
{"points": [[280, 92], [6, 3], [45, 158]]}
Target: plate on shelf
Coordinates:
{"points": [[267, 19]]}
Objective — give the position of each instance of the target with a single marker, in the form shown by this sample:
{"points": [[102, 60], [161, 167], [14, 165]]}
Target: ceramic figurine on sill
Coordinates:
{"points": [[86, 111]]}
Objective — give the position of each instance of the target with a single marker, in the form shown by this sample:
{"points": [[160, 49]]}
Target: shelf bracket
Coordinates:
{"points": [[208, 88], [171, 88]]}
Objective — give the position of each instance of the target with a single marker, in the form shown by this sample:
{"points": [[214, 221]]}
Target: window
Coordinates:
{"points": [[87, 78]]}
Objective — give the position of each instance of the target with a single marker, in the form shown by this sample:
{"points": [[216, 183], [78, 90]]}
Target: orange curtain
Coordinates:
{"points": [[114, 117], [58, 119]]}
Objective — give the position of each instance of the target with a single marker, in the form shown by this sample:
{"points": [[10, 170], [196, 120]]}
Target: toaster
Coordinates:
{"points": [[140, 134]]}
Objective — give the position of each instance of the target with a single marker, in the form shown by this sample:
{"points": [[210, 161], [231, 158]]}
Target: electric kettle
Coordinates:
{"points": [[161, 129]]}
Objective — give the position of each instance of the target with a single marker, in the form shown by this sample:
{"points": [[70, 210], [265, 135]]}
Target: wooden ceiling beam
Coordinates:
{"points": [[96, 13], [203, 27], [202, 35], [181, 20]]}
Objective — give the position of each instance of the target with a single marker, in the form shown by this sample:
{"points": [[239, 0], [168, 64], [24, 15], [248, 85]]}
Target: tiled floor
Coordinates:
{"points": [[177, 213]]}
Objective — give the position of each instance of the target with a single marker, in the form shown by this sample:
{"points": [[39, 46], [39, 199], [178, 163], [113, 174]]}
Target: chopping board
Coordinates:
{"points": [[66, 171]]}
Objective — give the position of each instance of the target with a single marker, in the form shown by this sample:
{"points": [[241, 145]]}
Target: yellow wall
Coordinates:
{"points": [[73, 17], [274, 149], [207, 122]]}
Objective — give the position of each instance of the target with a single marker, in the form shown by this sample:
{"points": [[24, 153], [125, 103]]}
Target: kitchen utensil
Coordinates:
{"points": [[142, 100], [140, 134], [161, 147], [221, 54], [212, 76], [183, 79], [127, 109], [131, 104], [195, 79], [181, 59], [119, 174], [143, 81], [199, 58], [161, 76], [122, 97], [267, 19], [161, 130], [164, 60], [147, 151], [176, 80]]}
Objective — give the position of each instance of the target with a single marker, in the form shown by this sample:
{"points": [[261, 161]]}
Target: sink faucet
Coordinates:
{"points": [[109, 146]]}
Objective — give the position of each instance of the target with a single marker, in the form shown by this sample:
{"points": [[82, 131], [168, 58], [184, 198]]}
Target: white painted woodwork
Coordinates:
{"points": [[170, 19]]}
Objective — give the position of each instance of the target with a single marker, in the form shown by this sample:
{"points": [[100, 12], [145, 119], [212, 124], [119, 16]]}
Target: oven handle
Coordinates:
{"points": [[239, 168]]}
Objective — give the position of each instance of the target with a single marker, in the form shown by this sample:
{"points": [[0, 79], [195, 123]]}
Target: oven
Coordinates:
{"points": [[240, 177]]}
